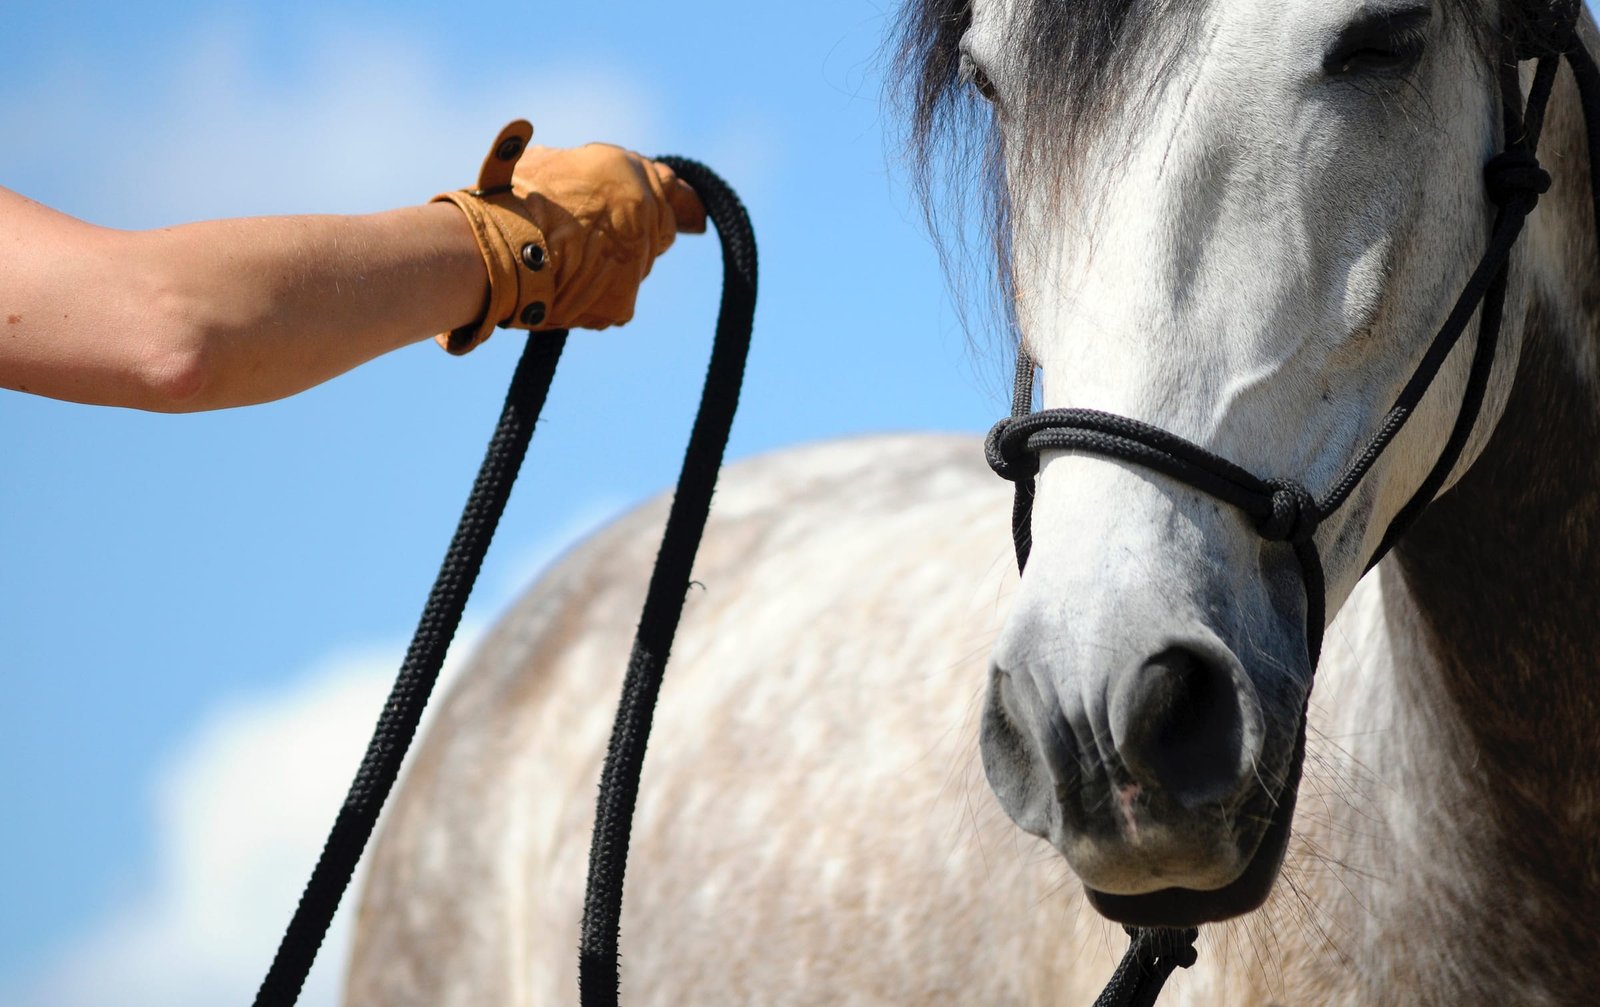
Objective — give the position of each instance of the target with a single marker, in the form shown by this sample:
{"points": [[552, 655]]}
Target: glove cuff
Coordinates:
{"points": [[521, 277]]}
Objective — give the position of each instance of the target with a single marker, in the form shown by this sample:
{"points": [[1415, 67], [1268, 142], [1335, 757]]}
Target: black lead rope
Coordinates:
{"points": [[1284, 510], [397, 724], [598, 978], [1153, 953], [442, 614]]}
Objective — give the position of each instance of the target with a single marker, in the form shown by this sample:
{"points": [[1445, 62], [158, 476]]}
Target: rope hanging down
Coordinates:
{"points": [[397, 724], [598, 979], [1284, 510], [442, 614]]}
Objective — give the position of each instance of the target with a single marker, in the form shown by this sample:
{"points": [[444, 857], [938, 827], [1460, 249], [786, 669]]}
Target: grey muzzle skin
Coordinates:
{"points": [[1183, 720], [1158, 779]]}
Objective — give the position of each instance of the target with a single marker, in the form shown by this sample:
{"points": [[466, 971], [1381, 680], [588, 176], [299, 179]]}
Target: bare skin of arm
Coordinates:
{"points": [[233, 312], [222, 313]]}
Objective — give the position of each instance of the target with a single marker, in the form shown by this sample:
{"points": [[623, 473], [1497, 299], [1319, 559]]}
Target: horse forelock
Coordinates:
{"points": [[1076, 63], [1081, 60], [1076, 60], [1076, 66]]}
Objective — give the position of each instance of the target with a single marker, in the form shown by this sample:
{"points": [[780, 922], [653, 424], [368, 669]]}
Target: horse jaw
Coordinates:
{"points": [[1253, 258]]}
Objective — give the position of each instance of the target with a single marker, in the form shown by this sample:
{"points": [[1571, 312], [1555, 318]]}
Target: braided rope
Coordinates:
{"points": [[447, 600]]}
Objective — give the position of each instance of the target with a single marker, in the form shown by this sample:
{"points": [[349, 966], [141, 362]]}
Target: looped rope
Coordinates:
{"points": [[1294, 516], [1172, 943], [1515, 172], [1152, 956], [599, 976], [669, 583], [1009, 457]]}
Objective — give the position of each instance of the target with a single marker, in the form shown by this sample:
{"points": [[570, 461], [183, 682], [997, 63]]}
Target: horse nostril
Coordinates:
{"points": [[1023, 764], [1178, 726]]}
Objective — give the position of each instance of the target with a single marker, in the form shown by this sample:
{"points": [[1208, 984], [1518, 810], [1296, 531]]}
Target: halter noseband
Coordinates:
{"points": [[1284, 510]]}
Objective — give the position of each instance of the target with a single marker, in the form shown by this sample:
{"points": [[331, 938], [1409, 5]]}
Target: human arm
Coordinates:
{"points": [[222, 313], [233, 312]]}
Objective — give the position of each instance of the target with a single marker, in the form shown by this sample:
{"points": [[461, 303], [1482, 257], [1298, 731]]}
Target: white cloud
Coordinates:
{"points": [[240, 811], [372, 119]]}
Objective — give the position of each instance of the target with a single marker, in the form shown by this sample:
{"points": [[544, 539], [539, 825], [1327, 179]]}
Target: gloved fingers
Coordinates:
{"points": [[687, 208], [605, 213], [615, 293], [602, 286], [689, 214], [653, 221], [619, 309], [604, 313], [616, 301]]}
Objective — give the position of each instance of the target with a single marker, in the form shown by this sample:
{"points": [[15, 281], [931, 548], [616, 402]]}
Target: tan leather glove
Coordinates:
{"points": [[567, 235]]}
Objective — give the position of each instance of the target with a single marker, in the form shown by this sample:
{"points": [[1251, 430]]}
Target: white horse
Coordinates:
{"points": [[1238, 220]]}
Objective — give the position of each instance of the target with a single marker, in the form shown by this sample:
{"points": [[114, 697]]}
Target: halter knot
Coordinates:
{"points": [[1169, 944], [1544, 28], [1515, 172], [1294, 513], [1008, 454]]}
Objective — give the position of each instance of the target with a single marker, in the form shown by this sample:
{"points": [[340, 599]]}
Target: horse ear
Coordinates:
{"points": [[1542, 27]]}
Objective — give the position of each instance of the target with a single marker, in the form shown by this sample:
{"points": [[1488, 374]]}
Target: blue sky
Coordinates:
{"points": [[197, 612]]}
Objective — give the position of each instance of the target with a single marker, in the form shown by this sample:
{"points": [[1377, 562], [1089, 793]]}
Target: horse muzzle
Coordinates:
{"points": [[1167, 781]]}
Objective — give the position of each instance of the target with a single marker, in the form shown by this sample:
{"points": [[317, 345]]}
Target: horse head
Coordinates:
{"points": [[1242, 223]]}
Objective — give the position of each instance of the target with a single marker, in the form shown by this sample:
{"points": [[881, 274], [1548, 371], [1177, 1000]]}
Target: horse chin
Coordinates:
{"points": [[1190, 907]]}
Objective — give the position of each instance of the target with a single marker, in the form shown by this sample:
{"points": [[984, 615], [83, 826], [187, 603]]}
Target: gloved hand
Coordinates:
{"points": [[567, 235]]}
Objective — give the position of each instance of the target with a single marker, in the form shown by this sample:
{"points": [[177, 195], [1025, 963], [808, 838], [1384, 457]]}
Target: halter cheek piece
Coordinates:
{"points": [[1284, 510]]}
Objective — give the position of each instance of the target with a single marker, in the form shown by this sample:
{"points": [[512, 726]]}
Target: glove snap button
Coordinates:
{"points": [[510, 148], [533, 256], [533, 314]]}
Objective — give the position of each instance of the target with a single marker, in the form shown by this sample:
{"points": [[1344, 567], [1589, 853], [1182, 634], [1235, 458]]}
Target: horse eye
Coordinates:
{"points": [[974, 75], [1379, 42]]}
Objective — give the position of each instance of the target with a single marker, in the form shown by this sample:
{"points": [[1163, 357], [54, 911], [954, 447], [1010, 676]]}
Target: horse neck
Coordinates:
{"points": [[1500, 587]]}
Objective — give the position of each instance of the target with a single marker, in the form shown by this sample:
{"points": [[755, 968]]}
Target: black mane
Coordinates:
{"points": [[1076, 57], [1077, 61]]}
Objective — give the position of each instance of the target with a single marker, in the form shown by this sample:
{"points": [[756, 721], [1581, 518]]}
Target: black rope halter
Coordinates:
{"points": [[1285, 510]]}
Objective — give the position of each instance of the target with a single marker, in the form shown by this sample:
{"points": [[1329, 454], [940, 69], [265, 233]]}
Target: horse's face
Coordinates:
{"points": [[1250, 243]]}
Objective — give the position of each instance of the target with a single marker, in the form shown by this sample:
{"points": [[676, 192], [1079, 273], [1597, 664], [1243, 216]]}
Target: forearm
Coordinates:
{"points": [[271, 306], [222, 313], [232, 312]]}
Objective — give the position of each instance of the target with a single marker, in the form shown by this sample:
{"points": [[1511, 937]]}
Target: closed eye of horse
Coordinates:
{"points": [[1238, 224]]}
